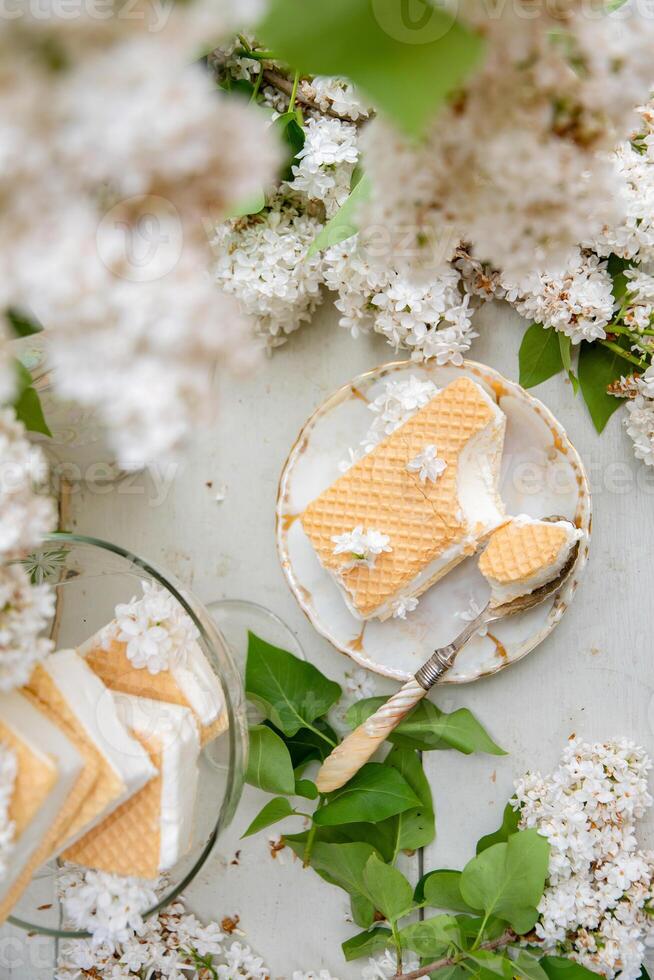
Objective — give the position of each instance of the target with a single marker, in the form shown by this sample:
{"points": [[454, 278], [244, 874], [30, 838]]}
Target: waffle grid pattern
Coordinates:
{"points": [[422, 520], [516, 552]]}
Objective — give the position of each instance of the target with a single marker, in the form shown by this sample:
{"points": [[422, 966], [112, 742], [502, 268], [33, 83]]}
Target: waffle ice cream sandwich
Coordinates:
{"points": [[75, 699], [48, 787], [526, 554], [191, 683], [151, 831], [430, 488]]}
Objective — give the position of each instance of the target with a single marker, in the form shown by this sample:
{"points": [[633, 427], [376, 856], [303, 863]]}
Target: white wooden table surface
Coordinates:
{"points": [[593, 676]]}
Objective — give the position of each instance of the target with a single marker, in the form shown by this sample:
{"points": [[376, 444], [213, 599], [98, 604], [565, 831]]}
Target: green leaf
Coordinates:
{"points": [[510, 821], [407, 57], [525, 964], [274, 811], [616, 269], [427, 727], [343, 224], [290, 692], [412, 828], [306, 745], [22, 324], [343, 865], [388, 889], [374, 793], [565, 346], [598, 367], [473, 927], [367, 944], [251, 205], [561, 968], [491, 964], [269, 763], [539, 356], [432, 937], [376, 835], [363, 911], [442, 890], [306, 789], [29, 411], [507, 880], [292, 136]]}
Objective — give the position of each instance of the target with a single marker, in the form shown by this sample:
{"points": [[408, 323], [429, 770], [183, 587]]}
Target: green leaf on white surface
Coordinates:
{"points": [[442, 890], [274, 811], [507, 880], [290, 692], [407, 57], [269, 762], [598, 368], [343, 865], [373, 794], [388, 889], [368, 943], [427, 727], [432, 937], [490, 965], [343, 224], [306, 789], [510, 821], [565, 346], [540, 355]]}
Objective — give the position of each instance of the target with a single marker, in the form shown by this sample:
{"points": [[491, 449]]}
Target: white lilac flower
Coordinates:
{"points": [[25, 611], [575, 297], [156, 630], [25, 516], [361, 547], [404, 605], [8, 770], [326, 162], [110, 907], [262, 261], [472, 612], [427, 313], [427, 464], [339, 95], [384, 966], [595, 907], [640, 427]]}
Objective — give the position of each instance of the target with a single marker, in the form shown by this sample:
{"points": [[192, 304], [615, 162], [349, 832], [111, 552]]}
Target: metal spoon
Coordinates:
{"points": [[355, 750]]}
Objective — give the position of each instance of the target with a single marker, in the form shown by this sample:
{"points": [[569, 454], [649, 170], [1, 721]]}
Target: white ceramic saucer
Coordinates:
{"points": [[542, 475]]}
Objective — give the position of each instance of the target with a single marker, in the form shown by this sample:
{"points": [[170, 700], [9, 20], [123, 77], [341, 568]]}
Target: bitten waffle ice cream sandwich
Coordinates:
{"points": [[151, 831], [422, 500], [75, 698], [526, 554], [46, 789], [190, 682]]}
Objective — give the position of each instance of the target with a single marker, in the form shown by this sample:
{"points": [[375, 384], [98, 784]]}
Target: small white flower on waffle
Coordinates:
{"points": [[361, 547], [404, 605], [155, 629], [427, 464]]}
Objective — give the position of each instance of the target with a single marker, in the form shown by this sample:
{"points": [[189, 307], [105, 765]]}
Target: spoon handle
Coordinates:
{"points": [[348, 757], [355, 750]]}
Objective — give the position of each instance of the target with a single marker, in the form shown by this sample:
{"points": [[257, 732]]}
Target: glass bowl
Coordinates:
{"points": [[90, 577]]}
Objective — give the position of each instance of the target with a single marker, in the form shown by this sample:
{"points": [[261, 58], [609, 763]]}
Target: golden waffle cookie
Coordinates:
{"points": [[519, 551], [35, 777], [106, 786], [128, 841], [35, 781], [423, 520], [116, 670]]}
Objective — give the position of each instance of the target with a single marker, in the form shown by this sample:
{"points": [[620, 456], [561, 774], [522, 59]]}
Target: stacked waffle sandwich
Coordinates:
{"points": [[423, 499], [99, 761]]}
